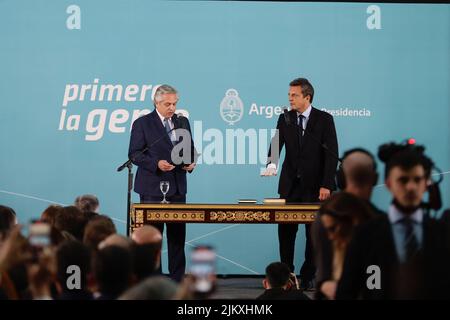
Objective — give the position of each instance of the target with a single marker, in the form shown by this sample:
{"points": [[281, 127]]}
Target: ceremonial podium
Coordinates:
{"points": [[147, 213]]}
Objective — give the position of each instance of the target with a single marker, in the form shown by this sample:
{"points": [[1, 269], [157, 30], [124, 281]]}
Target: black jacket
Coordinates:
{"points": [[311, 162], [373, 244]]}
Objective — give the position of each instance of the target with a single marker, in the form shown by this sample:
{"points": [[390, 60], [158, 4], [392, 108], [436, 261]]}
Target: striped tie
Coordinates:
{"points": [[167, 126], [410, 242]]}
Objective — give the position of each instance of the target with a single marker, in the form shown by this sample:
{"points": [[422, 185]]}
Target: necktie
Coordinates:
{"points": [[167, 126], [300, 126], [410, 242]]}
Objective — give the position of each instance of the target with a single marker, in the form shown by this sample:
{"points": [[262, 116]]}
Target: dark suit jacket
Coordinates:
{"points": [[373, 244], [315, 166], [145, 131]]}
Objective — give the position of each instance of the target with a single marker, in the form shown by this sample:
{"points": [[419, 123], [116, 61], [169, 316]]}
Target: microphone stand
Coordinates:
{"points": [[129, 165]]}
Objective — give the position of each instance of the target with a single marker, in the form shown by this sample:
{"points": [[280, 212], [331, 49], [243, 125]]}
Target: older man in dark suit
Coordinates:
{"points": [[308, 171], [156, 133]]}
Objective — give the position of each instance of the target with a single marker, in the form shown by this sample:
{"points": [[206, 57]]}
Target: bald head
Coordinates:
{"points": [[146, 235], [115, 240], [147, 251], [359, 170]]}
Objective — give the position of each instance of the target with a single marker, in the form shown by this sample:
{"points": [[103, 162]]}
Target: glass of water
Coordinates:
{"points": [[164, 187]]}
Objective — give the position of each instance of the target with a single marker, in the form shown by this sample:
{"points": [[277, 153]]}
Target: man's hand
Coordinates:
{"points": [[324, 194], [163, 165], [189, 167], [269, 172]]}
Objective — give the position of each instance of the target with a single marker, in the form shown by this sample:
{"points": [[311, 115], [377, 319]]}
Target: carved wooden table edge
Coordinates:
{"points": [[147, 213]]}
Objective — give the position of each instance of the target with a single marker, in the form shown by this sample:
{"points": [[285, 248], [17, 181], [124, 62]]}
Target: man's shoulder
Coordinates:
{"points": [[378, 224], [144, 118], [281, 121], [321, 114], [380, 219], [290, 114], [375, 210]]}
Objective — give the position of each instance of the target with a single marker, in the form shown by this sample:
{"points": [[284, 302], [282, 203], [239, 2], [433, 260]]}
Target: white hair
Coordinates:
{"points": [[159, 90]]}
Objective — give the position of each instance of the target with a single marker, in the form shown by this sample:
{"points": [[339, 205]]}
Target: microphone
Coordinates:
{"points": [[180, 121], [175, 120], [140, 152]]}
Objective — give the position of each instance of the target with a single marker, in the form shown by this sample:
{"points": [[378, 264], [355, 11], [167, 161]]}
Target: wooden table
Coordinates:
{"points": [[147, 213]]}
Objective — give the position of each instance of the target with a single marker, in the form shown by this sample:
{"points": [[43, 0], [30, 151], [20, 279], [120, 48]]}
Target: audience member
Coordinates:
{"points": [[280, 284], [339, 215], [87, 203], [97, 230], [146, 251]]}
